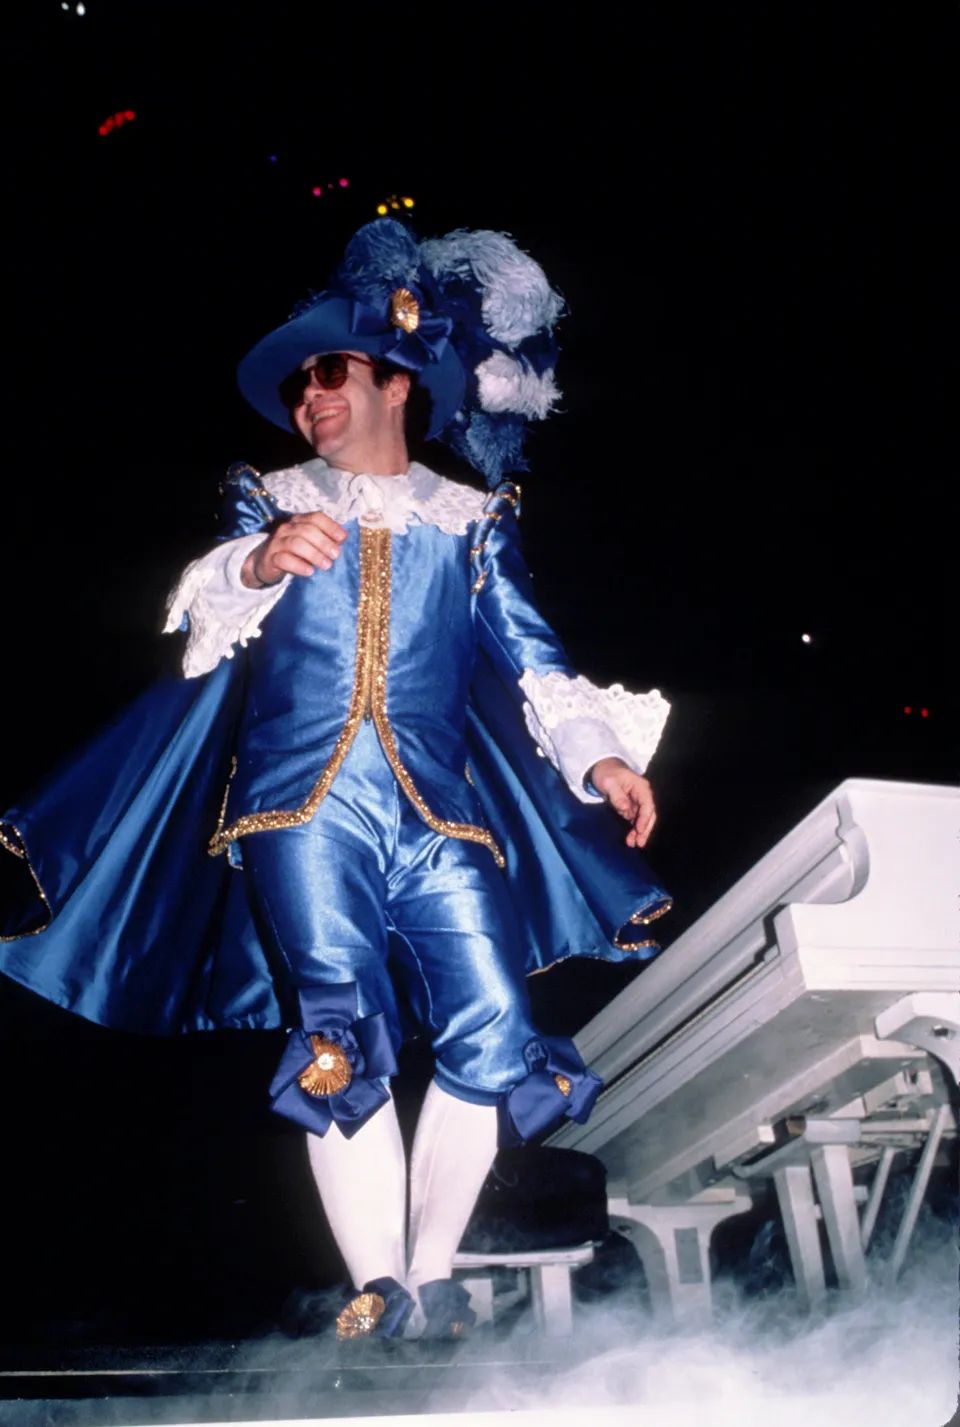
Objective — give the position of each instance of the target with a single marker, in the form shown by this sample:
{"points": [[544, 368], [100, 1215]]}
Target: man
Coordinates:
{"points": [[369, 593]]}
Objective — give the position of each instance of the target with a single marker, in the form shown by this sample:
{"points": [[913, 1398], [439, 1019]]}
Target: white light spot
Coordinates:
{"points": [[81, 9], [807, 638]]}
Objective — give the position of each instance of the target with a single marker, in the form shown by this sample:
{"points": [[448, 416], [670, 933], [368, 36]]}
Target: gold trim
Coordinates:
{"points": [[642, 919], [479, 582], [296, 817], [19, 849], [368, 699], [591, 956], [238, 468], [512, 495], [11, 846], [639, 919], [634, 945], [563, 1084], [380, 640]]}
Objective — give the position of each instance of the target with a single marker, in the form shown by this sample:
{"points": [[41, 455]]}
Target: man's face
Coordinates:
{"points": [[345, 424]]}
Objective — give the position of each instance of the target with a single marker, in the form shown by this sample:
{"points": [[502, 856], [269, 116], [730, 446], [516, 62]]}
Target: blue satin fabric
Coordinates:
{"points": [[332, 1012], [302, 675], [150, 934], [366, 893]]}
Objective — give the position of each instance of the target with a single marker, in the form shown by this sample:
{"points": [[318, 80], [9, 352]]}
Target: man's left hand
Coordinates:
{"points": [[629, 795]]}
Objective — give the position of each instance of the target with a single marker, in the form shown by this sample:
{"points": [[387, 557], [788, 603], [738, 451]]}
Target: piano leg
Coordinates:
{"points": [[877, 1188], [672, 1242], [794, 1185], [918, 1189], [834, 1180]]}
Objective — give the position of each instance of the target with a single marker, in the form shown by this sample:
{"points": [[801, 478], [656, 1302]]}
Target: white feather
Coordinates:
{"points": [[517, 300], [506, 385]]}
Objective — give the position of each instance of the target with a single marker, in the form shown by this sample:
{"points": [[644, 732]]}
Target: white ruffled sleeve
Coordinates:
{"points": [[215, 608], [574, 724]]}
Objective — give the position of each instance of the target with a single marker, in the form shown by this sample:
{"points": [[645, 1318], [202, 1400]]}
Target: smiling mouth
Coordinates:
{"points": [[325, 413]]}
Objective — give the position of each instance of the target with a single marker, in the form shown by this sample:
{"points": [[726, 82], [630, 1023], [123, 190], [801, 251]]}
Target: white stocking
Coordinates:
{"points": [[452, 1151], [363, 1189]]}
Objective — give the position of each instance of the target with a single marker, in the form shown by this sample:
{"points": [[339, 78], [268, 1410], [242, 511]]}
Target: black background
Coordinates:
{"points": [[747, 210]]}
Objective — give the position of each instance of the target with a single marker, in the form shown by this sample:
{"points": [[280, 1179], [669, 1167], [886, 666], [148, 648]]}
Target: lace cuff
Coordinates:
{"points": [[574, 724], [215, 608]]}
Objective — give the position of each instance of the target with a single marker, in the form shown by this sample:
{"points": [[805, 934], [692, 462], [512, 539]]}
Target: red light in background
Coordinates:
{"points": [[115, 121], [317, 191], [344, 183], [924, 713], [908, 709]]}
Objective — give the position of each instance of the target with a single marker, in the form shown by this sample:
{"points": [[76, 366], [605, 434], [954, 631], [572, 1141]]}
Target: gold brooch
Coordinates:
{"points": [[360, 1317], [329, 1072], [404, 310], [563, 1084]]}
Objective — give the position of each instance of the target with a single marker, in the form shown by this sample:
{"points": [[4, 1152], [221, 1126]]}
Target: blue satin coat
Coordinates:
{"points": [[126, 919]]}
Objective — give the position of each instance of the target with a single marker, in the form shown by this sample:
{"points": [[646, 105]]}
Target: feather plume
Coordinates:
{"points": [[517, 300], [380, 257], [508, 385]]}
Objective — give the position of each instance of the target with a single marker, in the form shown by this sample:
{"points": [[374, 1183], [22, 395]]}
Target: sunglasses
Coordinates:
{"points": [[329, 371]]}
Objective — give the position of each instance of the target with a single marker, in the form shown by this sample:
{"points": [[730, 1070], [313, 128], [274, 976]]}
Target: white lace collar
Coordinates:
{"points": [[419, 496]]}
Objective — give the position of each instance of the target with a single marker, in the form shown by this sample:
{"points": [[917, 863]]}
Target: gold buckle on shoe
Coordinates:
{"points": [[361, 1315]]}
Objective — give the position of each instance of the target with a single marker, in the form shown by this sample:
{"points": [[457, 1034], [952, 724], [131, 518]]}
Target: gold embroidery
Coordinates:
{"points": [[658, 912], [12, 841], [369, 699], [296, 817], [633, 945], [330, 1070], [381, 642], [512, 495], [360, 1317], [564, 1084], [479, 583], [10, 845]]}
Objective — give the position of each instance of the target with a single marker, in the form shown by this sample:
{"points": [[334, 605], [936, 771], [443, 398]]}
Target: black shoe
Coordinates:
{"points": [[446, 1306], [380, 1310]]}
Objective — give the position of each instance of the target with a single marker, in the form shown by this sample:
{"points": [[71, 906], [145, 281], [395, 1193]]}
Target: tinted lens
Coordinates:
{"points": [[291, 389], [330, 370]]}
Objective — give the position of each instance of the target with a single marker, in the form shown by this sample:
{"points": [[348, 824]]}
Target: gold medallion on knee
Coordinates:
{"points": [[330, 1070]]}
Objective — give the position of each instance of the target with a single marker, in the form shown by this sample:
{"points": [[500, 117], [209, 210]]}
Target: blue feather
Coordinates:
{"points": [[381, 256]]}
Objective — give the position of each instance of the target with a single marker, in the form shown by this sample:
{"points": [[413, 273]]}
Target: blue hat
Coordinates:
{"points": [[469, 314]]}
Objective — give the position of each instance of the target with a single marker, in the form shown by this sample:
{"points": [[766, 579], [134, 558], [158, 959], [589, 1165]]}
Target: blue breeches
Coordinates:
{"points": [[367, 893]]}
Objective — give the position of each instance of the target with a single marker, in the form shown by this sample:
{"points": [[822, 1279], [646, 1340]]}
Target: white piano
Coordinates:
{"points": [[803, 1031]]}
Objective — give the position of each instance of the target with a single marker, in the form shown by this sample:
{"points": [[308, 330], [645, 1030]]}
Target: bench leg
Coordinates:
{"points": [[480, 1289], [552, 1299]]}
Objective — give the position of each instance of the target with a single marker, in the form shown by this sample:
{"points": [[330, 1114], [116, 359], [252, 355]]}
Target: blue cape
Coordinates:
{"points": [[122, 916]]}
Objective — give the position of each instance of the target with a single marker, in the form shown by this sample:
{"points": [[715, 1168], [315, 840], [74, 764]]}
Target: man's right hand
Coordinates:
{"points": [[298, 546]]}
